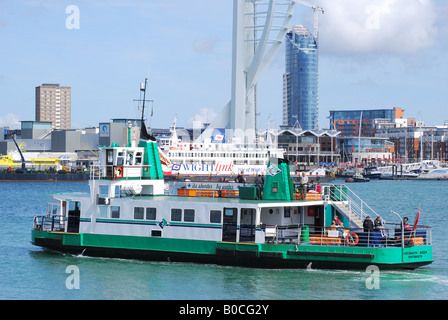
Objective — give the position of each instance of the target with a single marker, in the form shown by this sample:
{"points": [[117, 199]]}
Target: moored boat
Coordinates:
{"points": [[357, 177], [132, 213], [372, 173]]}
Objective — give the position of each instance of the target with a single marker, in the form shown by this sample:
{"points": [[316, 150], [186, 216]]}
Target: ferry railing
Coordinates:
{"points": [[394, 236], [114, 172], [49, 223], [38, 223], [217, 190], [355, 207], [282, 234]]}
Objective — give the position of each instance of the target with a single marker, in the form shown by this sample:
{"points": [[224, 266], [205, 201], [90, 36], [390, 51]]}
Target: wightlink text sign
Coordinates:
{"points": [[218, 168]]}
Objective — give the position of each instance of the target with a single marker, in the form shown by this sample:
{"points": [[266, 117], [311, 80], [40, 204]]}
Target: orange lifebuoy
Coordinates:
{"points": [[119, 172], [354, 239]]}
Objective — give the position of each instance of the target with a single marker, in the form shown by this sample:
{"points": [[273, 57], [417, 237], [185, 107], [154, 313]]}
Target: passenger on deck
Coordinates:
{"points": [[240, 178], [406, 224], [337, 221], [259, 181], [407, 227], [378, 225], [312, 186], [338, 225], [303, 185], [333, 226], [367, 224]]}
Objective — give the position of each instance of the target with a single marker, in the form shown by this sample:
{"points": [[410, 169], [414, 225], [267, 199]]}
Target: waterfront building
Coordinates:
{"points": [[35, 130], [368, 150], [53, 104], [79, 140], [348, 121], [414, 143], [309, 146], [300, 81]]}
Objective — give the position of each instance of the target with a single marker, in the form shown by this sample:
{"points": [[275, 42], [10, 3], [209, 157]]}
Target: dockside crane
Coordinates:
{"points": [[20, 152], [316, 10]]}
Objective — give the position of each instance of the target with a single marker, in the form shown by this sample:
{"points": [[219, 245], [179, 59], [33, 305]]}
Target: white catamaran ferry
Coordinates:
{"points": [[132, 213]]}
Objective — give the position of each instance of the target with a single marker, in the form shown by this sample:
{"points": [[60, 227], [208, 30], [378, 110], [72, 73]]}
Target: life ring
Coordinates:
{"points": [[119, 172], [354, 241]]}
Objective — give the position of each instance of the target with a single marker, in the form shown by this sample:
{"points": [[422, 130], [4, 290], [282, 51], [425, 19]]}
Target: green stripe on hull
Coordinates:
{"points": [[149, 243], [129, 242], [380, 256]]}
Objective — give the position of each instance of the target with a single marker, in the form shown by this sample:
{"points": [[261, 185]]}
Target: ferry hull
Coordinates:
{"points": [[236, 254]]}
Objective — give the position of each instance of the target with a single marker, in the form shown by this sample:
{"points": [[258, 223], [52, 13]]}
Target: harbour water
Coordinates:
{"points": [[29, 272]]}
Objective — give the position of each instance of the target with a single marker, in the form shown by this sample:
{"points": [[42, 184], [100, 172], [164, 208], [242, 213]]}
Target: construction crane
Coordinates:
{"points": [[316, 10]]}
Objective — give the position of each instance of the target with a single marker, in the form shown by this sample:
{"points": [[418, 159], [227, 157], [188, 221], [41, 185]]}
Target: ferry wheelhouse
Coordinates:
{"points": [[132, 213]]}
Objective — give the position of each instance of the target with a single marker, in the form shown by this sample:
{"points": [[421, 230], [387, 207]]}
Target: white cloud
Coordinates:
{"points": [[380, 26], [10, 120], [205, 115]]}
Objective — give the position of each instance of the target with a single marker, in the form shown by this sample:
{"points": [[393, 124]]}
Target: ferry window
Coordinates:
{"points": [[110, 157], [120, 159], [55, 210], [117, 192], [176, 214], [287, 212], [189, 215], [130, 158], [49, 209], [103, 211], [139, 213], [104, 191], [115, 212], [229, 212], [151, 213], [74, 207], [215, 216], [138, 159]]}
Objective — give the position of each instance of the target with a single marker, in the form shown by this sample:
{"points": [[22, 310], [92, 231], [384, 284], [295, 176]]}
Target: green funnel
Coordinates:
{"points": [[278, 184]]}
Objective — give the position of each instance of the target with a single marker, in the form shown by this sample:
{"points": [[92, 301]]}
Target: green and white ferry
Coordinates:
{"points": [[131, 212]]}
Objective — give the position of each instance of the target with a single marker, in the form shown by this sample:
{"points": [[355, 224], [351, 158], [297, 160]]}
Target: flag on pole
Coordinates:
{"points": [[414, 229], [144, 135], [417, 217]]}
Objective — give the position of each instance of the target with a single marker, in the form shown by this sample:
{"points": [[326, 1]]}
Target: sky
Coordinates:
{"points": [[374, 54]]}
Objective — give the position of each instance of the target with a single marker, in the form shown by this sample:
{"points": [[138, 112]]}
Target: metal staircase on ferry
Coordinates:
{"points": [[351, 206]]}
